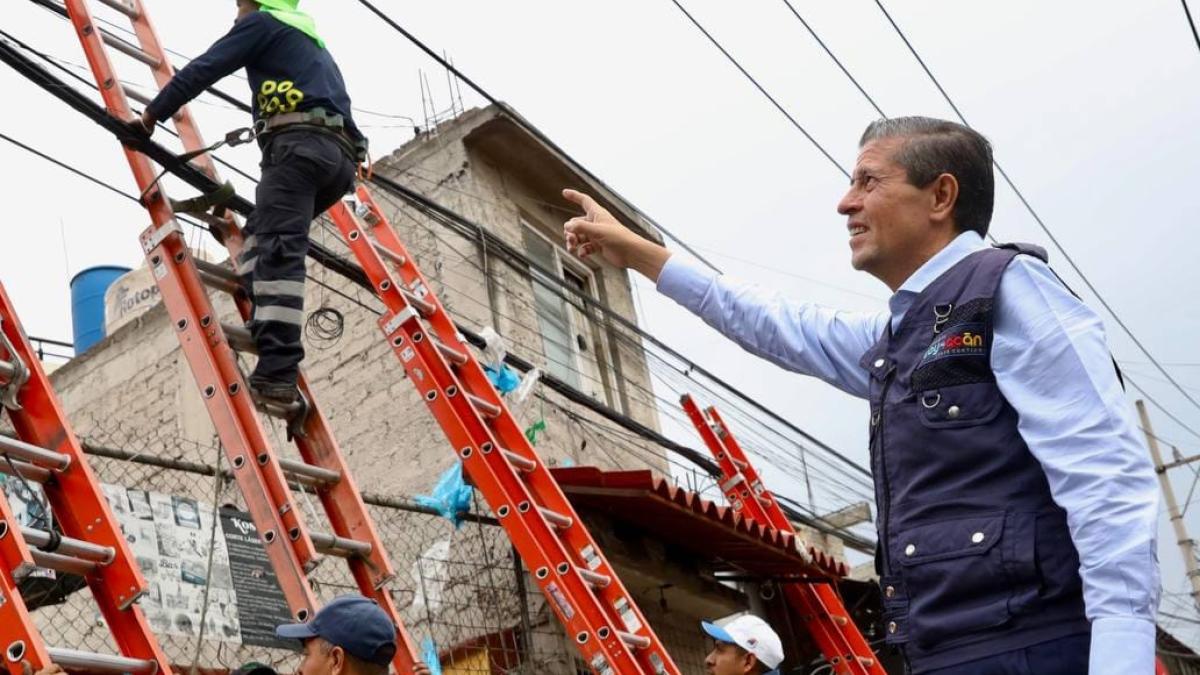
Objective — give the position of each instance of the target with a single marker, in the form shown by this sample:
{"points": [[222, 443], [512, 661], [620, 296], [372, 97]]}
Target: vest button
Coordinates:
{"points": [[879, 363], [910, 549], [953, 411], [977, 538], [890, 591], [892, 626], [874, 418]]}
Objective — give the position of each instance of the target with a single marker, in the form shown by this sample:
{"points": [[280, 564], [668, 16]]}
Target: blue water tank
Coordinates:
{"points": [[87, 304]]}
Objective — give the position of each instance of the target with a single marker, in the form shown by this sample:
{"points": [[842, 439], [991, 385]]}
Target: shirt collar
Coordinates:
{"points": [[960, 247]]}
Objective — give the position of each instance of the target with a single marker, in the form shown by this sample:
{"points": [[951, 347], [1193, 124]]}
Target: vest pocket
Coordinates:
{"points": [[957, 580], [961, 405]]}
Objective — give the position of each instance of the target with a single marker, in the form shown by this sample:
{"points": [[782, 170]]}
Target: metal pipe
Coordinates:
{"points": [[339, 546], [7, 370], [129, 49], [520, 463], [450, 353], [21, 450], [593, 578], [486, 409], [314, 473], [425, 307], [25, 470], [73, 659], [239, 338], [76, 548], [389, 254], [218, 276], [62, 563], [555, 518], [635, 641]]}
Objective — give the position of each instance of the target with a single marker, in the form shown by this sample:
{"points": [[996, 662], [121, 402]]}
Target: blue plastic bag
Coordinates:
{"points": [[451, 496], [429, 655], [504, 379]]}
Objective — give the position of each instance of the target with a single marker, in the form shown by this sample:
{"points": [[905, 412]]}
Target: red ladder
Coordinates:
{"points": [[579, 584], [818, 604], [209, 346], [46, 451]]}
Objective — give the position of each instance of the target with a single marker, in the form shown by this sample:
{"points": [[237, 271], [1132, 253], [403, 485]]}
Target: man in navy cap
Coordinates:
{"points": [[350, 636]]}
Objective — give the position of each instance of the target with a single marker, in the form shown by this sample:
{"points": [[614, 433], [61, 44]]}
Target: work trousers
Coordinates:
{"points": [[303, 174], [1064, 656]]}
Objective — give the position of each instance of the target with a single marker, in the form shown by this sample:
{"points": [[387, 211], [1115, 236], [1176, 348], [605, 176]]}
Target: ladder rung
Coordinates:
{"points": [[280, 410], [315, 474], [634, 641], [129, 50], [239, 338], [452, 355], [339, 546], [34, 455], [219, 277], [555, 518], [389, 254], [486, 409], [520, 463], [594, 579], [425, 307], [69, 547], [136, 95], [72, 659], [125, 8], [62, 563], [27, 471], [7, 371]]}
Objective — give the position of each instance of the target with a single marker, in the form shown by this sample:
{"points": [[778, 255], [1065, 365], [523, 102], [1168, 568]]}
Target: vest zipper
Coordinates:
{"points": [[886, 497]]}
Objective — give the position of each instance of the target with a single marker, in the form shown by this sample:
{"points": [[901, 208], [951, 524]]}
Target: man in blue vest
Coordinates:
{"points": [[1017, 507], [310, 147]]}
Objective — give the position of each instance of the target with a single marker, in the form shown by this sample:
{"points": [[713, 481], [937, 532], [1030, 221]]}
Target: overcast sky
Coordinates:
{"points": [[1091, 106]]}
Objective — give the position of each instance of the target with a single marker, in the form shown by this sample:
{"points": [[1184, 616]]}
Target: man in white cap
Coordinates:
{"points": [[744, 646]]}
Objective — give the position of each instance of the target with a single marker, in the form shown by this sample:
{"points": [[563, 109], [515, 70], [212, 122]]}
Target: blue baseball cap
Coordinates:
{"points": [[354, 623]]}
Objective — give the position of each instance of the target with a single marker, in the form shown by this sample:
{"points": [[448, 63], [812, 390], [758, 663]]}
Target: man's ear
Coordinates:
{"points": [[337, 661], [943, 195], [750, 663]]}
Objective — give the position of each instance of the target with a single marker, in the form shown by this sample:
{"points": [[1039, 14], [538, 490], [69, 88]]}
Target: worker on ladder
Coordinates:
{"points": [[311, 149]]}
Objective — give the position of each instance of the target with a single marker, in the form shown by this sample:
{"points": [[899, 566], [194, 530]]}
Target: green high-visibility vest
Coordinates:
{"points": [[285, 11]]}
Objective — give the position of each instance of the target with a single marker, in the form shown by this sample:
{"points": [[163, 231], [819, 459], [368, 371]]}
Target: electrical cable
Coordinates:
{"points": [[761, 89]]}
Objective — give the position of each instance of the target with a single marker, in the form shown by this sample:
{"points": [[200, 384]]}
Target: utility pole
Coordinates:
{"points": [[1186, 545]]}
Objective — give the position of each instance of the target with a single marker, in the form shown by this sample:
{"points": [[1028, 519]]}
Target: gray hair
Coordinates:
{"points": [[933, 147]]}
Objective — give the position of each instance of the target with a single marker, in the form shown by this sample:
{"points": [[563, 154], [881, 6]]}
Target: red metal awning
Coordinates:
{"points": [[684, 519]]}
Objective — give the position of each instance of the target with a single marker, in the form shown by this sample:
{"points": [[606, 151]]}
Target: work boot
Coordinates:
{"points": [[284, 393]]}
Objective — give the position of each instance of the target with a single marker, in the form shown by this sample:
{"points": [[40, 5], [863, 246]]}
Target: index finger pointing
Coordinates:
{"points": [[588, 204]]}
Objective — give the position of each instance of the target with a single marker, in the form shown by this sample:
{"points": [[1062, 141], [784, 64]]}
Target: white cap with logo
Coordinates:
{"points": [[750, 633]]}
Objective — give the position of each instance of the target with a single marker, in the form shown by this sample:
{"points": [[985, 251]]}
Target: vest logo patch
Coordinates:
{"points": [[961, 340]]}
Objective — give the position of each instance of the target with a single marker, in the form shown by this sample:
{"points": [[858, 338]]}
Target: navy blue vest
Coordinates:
{"points": [[974, 557]]}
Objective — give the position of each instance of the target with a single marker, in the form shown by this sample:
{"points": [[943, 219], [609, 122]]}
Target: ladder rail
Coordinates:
{"points": [[565, 563], [818, 604], [81, 509], [264, 484]]}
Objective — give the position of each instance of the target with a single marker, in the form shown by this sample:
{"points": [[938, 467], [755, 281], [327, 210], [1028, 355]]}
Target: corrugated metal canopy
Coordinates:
{"points": [[682, 518]]}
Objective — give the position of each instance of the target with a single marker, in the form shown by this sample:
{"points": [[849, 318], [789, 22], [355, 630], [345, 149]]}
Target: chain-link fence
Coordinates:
{"points": [[461, 590]]}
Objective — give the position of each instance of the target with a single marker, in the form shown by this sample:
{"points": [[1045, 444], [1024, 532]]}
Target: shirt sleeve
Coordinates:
{"points": [[802, 337], [233, 51], [1052, 363]]}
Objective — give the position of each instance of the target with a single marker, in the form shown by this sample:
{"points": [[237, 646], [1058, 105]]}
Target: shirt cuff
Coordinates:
{"points": [[1122, 645], [685, 281]]}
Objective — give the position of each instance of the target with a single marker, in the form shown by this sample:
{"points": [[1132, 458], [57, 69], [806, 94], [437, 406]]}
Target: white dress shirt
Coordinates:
{"points": [[1051, 362]]}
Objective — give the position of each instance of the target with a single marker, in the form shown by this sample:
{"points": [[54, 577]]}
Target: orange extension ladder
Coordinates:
{"points": [[45, 451], [263, 476], [579, 584], [824, 614]]}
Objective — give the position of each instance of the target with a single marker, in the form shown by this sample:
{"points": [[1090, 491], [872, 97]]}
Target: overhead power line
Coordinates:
{"points": [[1191, 22], [521, 121], [761, 89], [1037, 218]]}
